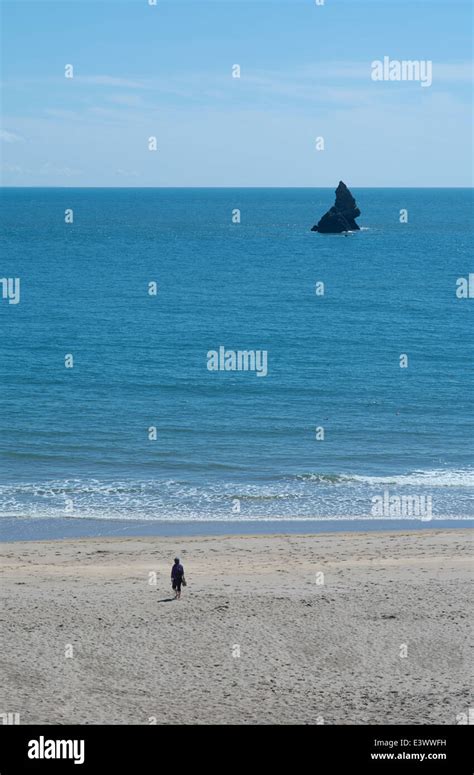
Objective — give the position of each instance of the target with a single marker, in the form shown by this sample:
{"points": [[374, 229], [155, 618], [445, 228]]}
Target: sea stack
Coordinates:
{"points": [[341, 217]]}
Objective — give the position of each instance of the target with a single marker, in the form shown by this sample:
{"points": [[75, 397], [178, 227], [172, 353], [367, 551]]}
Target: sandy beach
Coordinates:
{"points": [[321, 629]]}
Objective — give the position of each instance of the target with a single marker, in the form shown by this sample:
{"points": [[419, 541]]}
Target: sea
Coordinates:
{"points": [[112, 421]]}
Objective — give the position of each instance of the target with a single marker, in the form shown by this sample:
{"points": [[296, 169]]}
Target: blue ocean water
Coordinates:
{"points": [[232, 446]]}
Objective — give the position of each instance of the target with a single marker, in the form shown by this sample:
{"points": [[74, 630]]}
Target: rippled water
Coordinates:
{"points": [[231, 445]]}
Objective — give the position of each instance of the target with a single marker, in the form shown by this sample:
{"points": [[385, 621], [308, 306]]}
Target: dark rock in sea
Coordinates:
{"points": [[341, 217]]}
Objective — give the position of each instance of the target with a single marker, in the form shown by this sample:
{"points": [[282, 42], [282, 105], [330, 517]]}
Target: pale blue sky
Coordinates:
{"points": [[166, 71]]}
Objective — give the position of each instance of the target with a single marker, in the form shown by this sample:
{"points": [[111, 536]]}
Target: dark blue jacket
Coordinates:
{"points": [[177, 571]]}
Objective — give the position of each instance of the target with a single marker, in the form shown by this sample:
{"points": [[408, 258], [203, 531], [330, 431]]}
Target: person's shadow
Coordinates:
{"points": [[167, 600]]}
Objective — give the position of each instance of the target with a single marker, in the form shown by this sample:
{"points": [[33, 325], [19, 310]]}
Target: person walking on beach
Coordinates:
{"points": [[177, 577]]}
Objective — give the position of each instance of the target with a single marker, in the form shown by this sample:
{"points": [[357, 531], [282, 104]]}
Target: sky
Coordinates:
{"points": [[165, 71]]}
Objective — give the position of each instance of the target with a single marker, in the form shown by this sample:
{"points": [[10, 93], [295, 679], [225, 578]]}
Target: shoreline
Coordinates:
{"points": [[335, 628], [223, 536], [50, 529]]}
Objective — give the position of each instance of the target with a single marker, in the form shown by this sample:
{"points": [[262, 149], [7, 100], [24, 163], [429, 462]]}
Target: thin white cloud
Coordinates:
{"points": [[442, 71], [129, 100], [46, 169], [127, 173], [461, 72], [10, 137], [109, 80], [63, 114], [298, 83], [51, 169]]}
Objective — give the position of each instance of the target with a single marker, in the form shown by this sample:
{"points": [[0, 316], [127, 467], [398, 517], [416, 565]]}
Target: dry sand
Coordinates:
{"points": [[310, 652]]}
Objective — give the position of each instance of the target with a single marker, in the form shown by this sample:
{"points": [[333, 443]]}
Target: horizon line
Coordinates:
{"points": [[220, 188]]}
